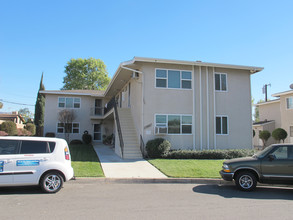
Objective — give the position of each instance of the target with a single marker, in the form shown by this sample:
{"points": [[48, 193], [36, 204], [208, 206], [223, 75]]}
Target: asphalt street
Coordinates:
{"points": [[91, 199]]}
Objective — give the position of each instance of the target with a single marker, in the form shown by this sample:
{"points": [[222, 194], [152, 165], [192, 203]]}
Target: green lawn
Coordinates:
{"points": [[85, 161], [188, 168]]}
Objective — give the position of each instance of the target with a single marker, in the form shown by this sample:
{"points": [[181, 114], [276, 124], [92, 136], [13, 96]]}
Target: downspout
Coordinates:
{"points": [[208, 110], [193, 99], [200, 107], [215, 135]]}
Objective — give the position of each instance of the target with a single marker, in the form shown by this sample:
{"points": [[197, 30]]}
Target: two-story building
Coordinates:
{"points": [[195, 105], [274, 114]]}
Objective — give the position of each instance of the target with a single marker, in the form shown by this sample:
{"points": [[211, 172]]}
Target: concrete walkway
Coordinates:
{"points": [[115, 167]]}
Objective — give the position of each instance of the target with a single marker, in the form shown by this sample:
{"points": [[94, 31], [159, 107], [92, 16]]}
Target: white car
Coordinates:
{"points": [[35, 161]]}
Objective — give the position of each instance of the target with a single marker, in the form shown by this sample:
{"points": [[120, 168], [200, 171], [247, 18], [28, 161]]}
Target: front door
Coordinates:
{"points": [[8, 150], [97, 132]]}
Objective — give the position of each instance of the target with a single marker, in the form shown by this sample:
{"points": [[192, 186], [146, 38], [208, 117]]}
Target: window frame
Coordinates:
{"points": [[221, 90], [167, 120], [289, 102], [72, 128], [167, 78], [222, 116], [73, 103]]}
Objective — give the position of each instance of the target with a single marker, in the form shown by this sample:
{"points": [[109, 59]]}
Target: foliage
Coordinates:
{"points": [[108, 139], [264, 136], [158, 148], [87, 138], [1, 105], [85, 161], [26, 114], [9, 127], [188, 168], [75, 142], [209, 154], [253, 133], [279, 134], [50, 134], [23, 132], [40, 110], [256, 111], [31, 128], [86, 74], [3, 133]]}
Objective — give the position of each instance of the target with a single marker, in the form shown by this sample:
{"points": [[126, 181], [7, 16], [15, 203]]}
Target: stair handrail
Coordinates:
{"points": [[142, 147], [118, 127]]}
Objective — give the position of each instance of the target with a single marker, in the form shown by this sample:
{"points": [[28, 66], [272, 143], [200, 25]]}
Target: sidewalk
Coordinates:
{"points": [[115, 167]]}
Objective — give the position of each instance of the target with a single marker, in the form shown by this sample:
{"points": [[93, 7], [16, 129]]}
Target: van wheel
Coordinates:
{"points": [[52, 182], [246, 181]]}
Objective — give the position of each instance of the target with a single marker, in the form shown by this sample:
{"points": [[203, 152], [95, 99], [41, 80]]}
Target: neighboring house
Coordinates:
{"points": [[14, 117], [194, 105], [274, 114]]}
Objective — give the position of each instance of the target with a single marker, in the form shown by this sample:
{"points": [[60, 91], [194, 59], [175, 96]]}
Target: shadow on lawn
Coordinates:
{"points": [[261, 192]]}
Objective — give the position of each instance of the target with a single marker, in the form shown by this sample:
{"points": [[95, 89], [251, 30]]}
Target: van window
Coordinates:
{"points": [[34, 147], [52, 146], [8, 147]]}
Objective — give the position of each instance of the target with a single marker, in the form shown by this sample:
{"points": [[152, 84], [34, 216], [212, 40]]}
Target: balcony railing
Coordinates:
{"points": [[109, 105], [97, 111]]}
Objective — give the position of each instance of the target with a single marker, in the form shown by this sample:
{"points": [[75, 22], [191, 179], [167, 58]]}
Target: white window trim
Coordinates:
{"points": [[180, 123], [64, 128], [221, 125], [221, 82], [167, 86], [65, 102], [291, 97]]}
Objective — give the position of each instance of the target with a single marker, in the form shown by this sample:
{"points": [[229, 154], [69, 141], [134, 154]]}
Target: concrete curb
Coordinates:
{"points": [[155, 180]]}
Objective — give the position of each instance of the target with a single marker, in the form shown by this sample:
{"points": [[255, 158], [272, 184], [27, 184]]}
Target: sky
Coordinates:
{"points": [[42, 36]]}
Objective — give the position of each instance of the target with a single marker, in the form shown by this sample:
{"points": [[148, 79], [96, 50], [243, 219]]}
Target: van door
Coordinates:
{"points": [[31, 161], [8, 150]]}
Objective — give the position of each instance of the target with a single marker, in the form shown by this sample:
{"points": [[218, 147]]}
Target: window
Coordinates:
{"points": [[64, 102], [68, 128], [289, 103], [8, 147], [175, 124], [34, 147], [220, 81], [283, 152], [174, 79], [221, 125]]}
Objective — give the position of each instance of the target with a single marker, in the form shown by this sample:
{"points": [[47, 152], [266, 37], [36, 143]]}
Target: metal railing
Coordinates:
{"points": [[109, 105], [118, 128], [142, 147]]}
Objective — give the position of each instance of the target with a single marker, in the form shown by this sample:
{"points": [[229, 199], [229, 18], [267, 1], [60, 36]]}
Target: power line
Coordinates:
{"points": [[15, 103]]}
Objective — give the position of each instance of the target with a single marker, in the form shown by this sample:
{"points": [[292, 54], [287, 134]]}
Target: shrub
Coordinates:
{"points": [[209, 154], [3, 133], [264, 136], [23, 132], [75, 142], [87, 138], [31, 128], [9, 127], [50, 134], [279, 134], [107, 139], [158, 148]]}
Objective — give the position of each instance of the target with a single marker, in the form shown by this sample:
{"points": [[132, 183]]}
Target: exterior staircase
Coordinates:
{"points": [[129, 135]]}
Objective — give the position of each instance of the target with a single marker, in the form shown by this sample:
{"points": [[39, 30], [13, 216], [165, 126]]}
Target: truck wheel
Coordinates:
{"points": [[52, 182], [246, 181]]}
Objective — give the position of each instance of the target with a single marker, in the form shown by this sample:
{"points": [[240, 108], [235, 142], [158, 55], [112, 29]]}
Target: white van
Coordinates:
{"points": [[35, 161]]}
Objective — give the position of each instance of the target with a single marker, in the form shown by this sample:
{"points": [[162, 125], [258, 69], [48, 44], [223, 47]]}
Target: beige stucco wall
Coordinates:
{"points": [[286, 117], [271, 111]]}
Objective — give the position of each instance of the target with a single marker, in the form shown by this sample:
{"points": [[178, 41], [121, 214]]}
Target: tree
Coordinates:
{"points": [[66, 117], [264, 136], [25, 113], [1, 105], [86, 74], [40, 110], [279, 134], [9, 127], [256, 111], [31, 128]]}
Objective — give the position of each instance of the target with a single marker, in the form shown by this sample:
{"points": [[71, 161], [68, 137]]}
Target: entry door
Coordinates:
{"points": [[97, 132]]}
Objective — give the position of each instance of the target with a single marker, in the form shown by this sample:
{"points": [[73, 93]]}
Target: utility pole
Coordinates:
{"points": [[265, 91]]}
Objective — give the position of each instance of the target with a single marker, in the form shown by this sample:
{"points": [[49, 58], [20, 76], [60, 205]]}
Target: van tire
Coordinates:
{"points": [[52, 182]]}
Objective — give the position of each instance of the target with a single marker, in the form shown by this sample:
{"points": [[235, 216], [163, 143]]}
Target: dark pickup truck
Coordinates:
{"points": [[272, 165]]}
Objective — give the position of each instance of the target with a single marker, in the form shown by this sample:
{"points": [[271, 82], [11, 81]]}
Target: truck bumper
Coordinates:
{"points": [[226, 176]]}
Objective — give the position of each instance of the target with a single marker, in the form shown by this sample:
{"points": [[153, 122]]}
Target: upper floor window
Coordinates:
{"points": [[175, 79], [221, 125], [220, 81], [66, 102], [290, 103]]}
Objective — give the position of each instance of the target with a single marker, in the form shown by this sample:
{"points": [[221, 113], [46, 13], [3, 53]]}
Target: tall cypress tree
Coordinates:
{"points": [[40, 110]]}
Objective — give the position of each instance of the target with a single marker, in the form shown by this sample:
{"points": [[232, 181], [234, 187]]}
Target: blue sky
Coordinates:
{"points": [[42, 36]]}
